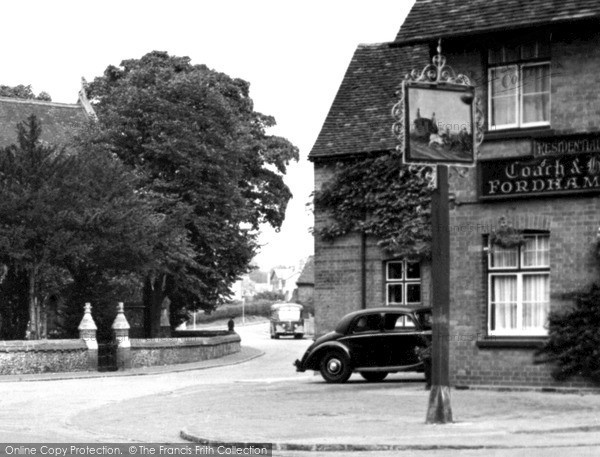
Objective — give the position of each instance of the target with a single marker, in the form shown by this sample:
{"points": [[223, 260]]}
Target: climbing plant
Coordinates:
{"points": [[380, 197]]}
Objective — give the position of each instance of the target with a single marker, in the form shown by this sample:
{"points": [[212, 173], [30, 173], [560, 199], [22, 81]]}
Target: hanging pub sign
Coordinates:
{"points": [[439, 124], [539, 176], [439, 120]]}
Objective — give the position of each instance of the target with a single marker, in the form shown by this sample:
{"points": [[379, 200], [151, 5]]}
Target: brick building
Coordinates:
{"points": [[535, 67], [305, 284]]}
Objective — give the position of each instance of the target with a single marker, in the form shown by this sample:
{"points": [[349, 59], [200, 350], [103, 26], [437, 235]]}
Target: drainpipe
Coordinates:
{"points": [[363, 270]]}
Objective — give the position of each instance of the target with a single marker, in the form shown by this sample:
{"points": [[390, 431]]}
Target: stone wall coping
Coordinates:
{"points": [[141, 343], [42, 345]]}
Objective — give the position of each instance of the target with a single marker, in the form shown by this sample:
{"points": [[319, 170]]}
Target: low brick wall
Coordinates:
{"points": [[43, 356], [167, 351]]}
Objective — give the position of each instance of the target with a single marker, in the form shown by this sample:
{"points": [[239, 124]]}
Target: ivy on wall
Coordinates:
{"points": [[379, 197]]}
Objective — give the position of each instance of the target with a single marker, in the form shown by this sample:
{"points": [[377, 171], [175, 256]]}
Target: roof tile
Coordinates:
{"points": [[360, 117], [58, 119], [430, 19]]}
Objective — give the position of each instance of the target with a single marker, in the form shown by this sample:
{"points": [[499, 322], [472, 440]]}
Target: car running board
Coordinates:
{"points": [[389, 369]]}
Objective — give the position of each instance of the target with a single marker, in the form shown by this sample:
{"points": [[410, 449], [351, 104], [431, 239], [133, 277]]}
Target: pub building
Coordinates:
{"points": [[535, 66]]}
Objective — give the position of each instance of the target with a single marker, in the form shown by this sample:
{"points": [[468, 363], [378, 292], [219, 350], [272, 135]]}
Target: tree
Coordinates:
{"points": [[573, 345], [70, 216], [195, 136], [22, 91], [378, 196]]}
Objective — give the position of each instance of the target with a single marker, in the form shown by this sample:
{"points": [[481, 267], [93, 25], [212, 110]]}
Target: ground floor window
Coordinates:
{"points": [[403, 282], [519, 288]]}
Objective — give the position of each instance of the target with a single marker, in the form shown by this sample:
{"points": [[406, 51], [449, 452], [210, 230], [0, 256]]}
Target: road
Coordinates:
{"points": [[154, 408], [104, 409]]}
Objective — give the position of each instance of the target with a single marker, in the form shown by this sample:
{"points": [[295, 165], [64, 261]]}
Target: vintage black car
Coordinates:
{"points": [[372, 342]]}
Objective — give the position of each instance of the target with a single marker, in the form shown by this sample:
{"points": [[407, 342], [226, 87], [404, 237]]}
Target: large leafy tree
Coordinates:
{"points": [[70, 215], [195, 136]]}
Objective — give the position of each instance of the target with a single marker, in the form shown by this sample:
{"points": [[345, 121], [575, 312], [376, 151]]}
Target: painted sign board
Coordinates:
{"points": [[438, 124], [570, 144], [539, 176]]}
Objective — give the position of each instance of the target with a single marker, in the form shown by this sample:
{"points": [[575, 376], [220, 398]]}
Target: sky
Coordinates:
{"points": [[293, 53]]}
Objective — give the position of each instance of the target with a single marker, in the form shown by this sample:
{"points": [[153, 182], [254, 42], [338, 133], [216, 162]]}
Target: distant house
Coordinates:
{"points": [[283, 281], [251, 284], [58, 120], [306, 282]]}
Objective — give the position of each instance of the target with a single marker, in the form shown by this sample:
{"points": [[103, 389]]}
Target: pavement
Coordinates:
{"points": [[390, 416]]}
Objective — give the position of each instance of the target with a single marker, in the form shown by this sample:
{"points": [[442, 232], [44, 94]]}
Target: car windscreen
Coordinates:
{"points": [[287, 314]]}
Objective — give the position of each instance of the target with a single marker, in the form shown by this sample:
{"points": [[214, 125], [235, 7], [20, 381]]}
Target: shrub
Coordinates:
{"points": [[574, 339], [269, 295], [233, 310]]}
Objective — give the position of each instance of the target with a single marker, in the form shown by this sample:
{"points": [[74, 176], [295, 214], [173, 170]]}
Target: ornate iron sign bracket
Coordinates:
{"points": [[439, 74]]}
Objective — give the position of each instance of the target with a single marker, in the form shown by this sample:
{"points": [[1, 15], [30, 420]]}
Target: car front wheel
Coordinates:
{"points": [[335, 367], [374, 376]]}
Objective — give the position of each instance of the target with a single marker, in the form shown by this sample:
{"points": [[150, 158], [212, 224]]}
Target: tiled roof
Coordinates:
{"points": [[282, 273], [57, 119], [360, 117], [307, 277], [430, 19]]}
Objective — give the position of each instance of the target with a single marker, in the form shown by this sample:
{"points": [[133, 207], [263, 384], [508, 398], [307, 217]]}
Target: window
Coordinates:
{"points": [[403, 283], [370, 323], [519, 288], [398, 322], [519, 85]]}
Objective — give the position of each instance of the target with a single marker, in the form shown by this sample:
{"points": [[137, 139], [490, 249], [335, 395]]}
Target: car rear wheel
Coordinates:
{"points": [[374, 376], [335, 367], [299, 336]]}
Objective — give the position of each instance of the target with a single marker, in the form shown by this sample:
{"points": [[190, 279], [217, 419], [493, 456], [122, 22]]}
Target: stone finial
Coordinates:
{"points": [[87, 332], [120, 329], [87, 322], [120, 322], [84, 101]]}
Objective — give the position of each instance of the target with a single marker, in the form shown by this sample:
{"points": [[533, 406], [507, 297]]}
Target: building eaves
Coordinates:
{"points": [[432, 19], [359, 120]]}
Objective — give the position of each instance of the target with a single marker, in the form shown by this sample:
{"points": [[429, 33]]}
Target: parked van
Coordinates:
{"points": [[286, 319]]}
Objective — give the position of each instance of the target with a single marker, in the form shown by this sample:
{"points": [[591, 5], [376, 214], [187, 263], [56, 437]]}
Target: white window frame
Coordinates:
{"points": [[538, 123], [522, 254], [492, 267], [404, 282], [519, 272], [518, 97]]}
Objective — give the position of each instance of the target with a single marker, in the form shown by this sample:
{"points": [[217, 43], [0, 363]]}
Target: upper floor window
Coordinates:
{"points": [[403, 283], [519, 85]]}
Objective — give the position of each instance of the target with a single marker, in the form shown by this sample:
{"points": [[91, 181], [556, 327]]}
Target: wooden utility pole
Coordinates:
{"points": [[439, 410]]}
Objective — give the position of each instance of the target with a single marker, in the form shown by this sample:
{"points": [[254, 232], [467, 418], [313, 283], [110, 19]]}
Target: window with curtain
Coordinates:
{"points": [[519, 85], [519, 288], [403, 282]]}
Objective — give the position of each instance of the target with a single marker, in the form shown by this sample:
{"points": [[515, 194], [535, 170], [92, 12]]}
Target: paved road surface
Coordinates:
{"points": [[112, 408], [154, 408]]}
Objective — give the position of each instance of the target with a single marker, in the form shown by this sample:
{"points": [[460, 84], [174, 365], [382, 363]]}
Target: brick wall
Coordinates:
{"points": [[572, 221], [169, 351], [44, 356], [338, 271]]}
